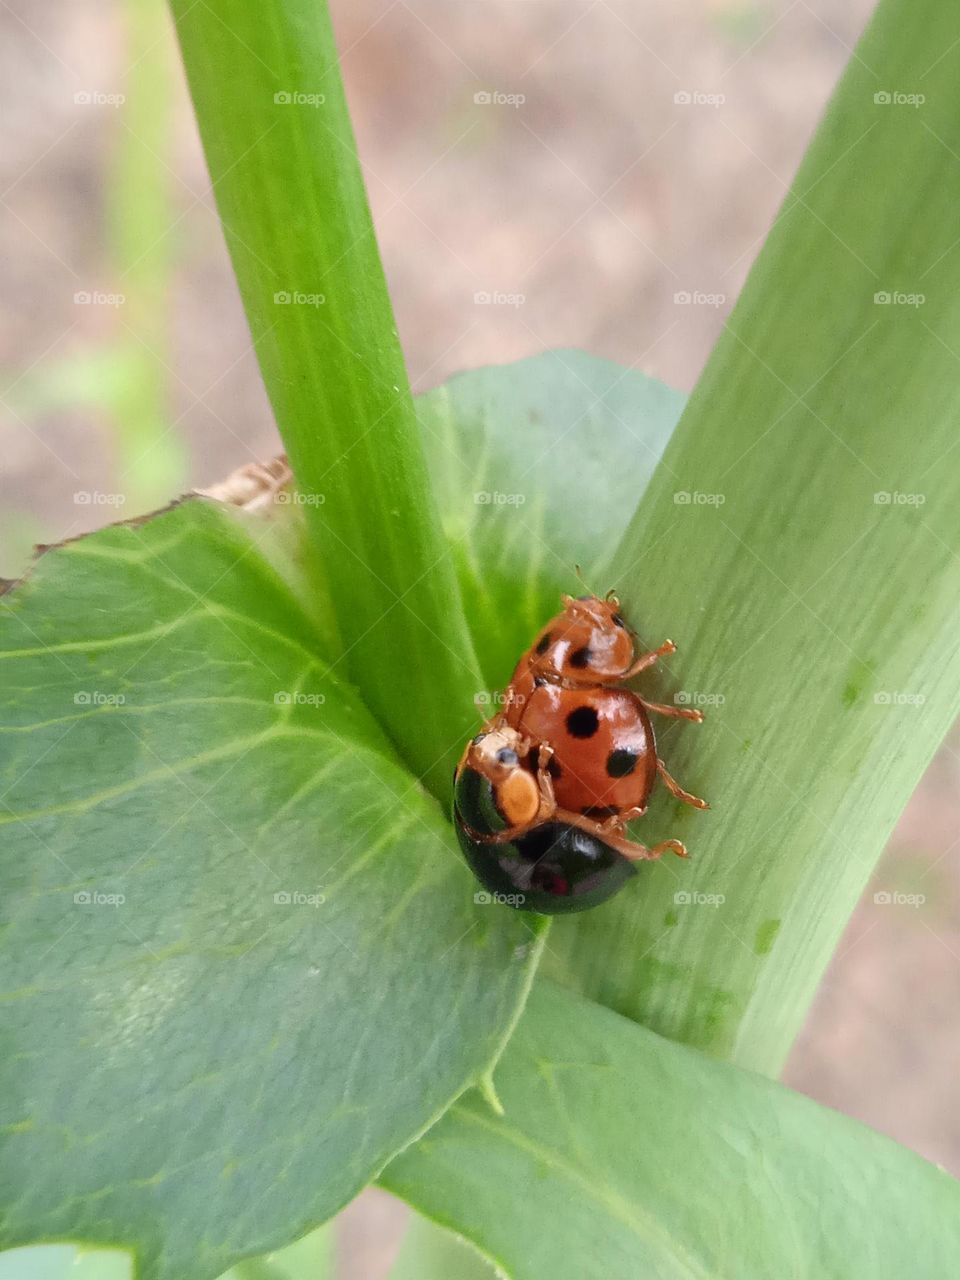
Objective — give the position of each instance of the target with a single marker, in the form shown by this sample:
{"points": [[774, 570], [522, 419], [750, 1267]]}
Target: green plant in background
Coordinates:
{"points": [[247, 973]]}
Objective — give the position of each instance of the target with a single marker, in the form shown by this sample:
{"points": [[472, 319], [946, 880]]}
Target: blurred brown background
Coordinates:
{"points": [[595, 157]]}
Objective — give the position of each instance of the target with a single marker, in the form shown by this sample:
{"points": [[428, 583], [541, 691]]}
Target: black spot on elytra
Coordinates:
{"points": [[580, 657], [553, 768], [543, 644], [598, 811], [621, 762], [583, 722]]}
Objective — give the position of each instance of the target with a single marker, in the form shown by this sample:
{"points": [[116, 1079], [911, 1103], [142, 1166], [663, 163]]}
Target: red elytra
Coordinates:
{"points": [[604, 751]]}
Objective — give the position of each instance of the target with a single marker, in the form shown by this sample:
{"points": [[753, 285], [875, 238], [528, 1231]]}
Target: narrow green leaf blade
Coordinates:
{"points": [[821, 597], [280, 150], [242, 961], [623, 1154]]}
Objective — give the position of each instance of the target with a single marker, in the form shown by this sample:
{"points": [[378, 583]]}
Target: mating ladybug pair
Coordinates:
{"points": [[542, 794]]}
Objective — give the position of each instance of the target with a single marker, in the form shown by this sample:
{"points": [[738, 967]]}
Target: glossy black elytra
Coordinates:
{"points": [[553, 867]]}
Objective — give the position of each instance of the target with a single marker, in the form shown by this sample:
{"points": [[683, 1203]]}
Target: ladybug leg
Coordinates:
{"points": [[629, 849], [506, 835], [616, 821], [682, 713], [676, 790], [648, 660]]}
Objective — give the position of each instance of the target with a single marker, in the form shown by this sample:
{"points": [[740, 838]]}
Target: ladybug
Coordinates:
{"points": [[588, 643], [564, 693], [520, 844]]}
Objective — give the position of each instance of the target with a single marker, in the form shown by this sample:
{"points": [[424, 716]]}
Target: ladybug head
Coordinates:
{"points": [[588, 639], [495, 754]]}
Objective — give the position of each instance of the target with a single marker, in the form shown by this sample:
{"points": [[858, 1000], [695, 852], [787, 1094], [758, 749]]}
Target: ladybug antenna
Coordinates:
{"points": [[583, 581]]}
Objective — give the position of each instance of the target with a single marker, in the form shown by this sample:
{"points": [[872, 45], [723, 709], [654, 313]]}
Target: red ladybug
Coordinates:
{"points": [[604, 759]]}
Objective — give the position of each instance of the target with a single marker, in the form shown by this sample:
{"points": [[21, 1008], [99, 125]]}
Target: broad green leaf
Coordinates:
{"points": [[537, 466], [280, 150], [813, 576], [623, 1154], [430, 1253], [242, 961]]}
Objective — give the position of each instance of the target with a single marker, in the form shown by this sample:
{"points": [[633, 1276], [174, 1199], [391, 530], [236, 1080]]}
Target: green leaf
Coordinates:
{"points": [[622, 1154], [193, 1067], [280, 150], [536, 466], [816, 626], [820, 600]]}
